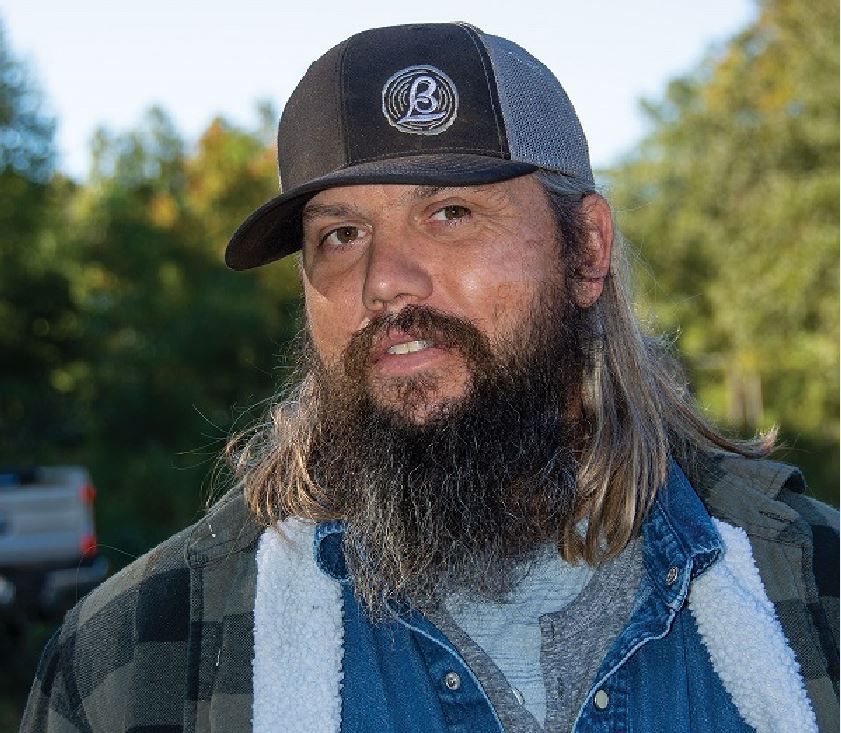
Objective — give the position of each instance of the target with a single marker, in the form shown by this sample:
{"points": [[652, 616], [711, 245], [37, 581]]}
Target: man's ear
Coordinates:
{"points": [[594, 264]]}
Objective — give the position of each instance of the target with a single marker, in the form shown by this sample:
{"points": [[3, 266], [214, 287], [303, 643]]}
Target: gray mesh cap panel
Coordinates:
{"points": [[540, 120]]}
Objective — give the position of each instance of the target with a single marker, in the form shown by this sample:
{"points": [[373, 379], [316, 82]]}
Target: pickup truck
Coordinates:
{"points": [[48, 551]]}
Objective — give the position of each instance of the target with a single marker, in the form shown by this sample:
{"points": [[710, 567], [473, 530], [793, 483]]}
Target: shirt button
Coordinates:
{"points": [[518, 696], [671, 576], [601, 700], [452, 681]]}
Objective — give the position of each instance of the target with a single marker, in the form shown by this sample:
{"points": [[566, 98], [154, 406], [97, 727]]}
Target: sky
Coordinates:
{"points": [[103, 62]]}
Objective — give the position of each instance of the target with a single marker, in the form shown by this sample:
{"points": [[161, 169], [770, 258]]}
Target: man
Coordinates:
{"points": [[488, 504]]}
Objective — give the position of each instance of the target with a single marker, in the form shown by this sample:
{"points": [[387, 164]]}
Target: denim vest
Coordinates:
{"points": [[404, 676]]}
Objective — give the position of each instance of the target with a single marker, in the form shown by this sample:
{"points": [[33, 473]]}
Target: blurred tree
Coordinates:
{"points": [[38, 320], [179, 341], [733, 200]]}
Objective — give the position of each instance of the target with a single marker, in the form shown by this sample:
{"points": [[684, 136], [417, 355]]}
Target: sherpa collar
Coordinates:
{"points": [[747, 647], [298, 636]]}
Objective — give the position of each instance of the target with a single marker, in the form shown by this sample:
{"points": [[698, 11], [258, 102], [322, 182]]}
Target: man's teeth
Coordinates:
{"points": [[409, 347]]}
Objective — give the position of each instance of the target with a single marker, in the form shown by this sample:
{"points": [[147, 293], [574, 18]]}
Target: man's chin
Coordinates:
{"points": [[419, 400]]}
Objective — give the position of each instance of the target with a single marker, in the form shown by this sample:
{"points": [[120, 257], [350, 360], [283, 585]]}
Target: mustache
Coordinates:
{"points": [[422, 323]]}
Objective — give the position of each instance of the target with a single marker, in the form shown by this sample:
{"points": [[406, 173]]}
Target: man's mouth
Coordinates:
{"points": [[402, 353], [396, 342], [409, 347]]}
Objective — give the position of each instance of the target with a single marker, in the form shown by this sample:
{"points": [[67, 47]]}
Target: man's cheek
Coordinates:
{"points": [[328, 341], [330, 324]]}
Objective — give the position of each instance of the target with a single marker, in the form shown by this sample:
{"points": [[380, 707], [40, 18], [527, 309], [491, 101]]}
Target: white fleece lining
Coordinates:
{"points": [[746, 643], [298, 636]]}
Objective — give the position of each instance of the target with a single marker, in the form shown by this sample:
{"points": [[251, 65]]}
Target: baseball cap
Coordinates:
{"points": [[439, 104]]}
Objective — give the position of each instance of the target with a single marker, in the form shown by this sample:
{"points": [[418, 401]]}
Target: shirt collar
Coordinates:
{"points": [[327, 550], [680, 541]]}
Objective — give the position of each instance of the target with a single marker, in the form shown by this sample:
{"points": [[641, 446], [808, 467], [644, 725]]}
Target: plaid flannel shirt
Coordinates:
{"points": [[166, 645]]}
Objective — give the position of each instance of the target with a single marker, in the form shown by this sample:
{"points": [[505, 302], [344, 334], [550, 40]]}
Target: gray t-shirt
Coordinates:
{"points": [[537, 653]]}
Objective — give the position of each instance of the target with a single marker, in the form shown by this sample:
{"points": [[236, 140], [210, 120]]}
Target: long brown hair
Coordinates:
{"points": [[636, 401]]}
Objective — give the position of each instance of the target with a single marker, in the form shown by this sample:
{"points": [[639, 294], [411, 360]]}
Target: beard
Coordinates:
{"points": [[463, 499]]}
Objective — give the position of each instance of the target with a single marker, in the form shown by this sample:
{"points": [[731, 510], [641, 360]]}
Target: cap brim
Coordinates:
{"points": [[274, 230]]}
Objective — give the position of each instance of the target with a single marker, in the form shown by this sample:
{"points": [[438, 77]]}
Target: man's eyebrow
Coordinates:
{"points": [[425, 192], [313, 211]]}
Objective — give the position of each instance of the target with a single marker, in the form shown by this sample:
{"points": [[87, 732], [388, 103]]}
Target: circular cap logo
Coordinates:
{"points": [[420, 99]]}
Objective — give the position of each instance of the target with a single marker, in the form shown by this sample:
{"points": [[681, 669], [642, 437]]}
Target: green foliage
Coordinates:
{"points": [[175, 341], [38, 320], [128, 347], [733, 201]]}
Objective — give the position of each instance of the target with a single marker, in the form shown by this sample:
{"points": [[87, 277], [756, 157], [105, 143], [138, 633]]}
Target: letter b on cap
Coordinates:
{"points": [[421, 100]]}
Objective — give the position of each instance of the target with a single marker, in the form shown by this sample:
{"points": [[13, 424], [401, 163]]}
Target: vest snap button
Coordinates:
{"points": [[601, 700], [671, 576], [452, 681]]}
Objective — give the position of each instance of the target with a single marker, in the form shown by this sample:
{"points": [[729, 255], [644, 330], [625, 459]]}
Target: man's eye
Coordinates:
{"points": [[342, 236], [453, 212]]}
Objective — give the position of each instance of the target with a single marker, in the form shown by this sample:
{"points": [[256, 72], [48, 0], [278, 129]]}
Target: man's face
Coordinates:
{"points": [[448, 334], [481, 254]]}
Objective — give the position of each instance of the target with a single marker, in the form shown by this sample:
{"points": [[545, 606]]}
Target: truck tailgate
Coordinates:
{"points": [[42, 524]]}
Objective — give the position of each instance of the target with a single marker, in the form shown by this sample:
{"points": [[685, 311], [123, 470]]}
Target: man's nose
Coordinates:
{"points": [[397, 272]]}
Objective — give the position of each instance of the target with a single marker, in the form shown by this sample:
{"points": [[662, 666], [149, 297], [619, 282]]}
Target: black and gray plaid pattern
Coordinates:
{"points": [[166, 645]]}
